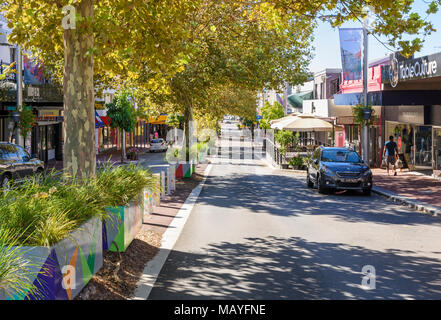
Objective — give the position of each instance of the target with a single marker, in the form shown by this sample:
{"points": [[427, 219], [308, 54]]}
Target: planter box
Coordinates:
{"points": [[68, 265], [122, 227], [184, 170], [148, 201], [157, 191]]}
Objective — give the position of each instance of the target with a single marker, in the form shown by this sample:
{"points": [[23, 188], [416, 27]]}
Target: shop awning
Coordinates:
{"points": [[99, 123], [296, 99], [158, 120]]}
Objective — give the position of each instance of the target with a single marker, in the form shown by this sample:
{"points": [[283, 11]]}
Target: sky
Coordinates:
{"points": [[327, 43]]}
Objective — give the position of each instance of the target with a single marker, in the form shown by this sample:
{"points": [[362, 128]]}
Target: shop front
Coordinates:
{"points": [[412, 134], [415, 120], [47, 135]]}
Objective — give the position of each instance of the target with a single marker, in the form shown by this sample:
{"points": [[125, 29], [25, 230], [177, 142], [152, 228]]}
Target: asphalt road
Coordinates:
{"points": [[256, 233]]}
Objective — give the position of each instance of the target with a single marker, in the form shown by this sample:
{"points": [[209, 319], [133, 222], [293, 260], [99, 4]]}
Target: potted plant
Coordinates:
{"points": [[284, 138], [296, 163]]}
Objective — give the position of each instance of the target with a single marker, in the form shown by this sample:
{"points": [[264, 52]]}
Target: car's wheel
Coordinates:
{"points": [[5, 182], [320, 186], [367, 192], [309, 183]]}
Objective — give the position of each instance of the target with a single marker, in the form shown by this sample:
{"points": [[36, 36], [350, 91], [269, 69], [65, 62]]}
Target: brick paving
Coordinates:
{"points": [[411, 185]]}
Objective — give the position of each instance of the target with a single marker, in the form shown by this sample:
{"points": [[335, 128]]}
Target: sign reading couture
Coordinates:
{"points": [[412, 69]]}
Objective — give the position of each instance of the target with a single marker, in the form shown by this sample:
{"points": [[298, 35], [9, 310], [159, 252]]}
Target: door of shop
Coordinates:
{"points": [[423, 150]]}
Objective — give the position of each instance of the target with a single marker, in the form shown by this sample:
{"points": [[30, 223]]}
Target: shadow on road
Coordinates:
{"points": [[285, 195], [292, 268]]}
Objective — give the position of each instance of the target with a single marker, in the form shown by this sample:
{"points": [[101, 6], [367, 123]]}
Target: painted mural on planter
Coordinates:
{"points": [[125, 222], [148, 201], [63, 270], [184, 170]]}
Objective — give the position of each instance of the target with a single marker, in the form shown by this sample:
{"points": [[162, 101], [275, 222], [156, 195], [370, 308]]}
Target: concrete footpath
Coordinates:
{"points": [[412, 189]]}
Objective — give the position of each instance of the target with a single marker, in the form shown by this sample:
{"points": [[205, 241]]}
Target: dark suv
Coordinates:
{"points": [[338, 169], [16, 164]]}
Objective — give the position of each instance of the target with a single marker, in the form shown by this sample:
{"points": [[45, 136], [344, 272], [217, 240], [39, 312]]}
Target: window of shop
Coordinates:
{"points": [[423, 143], [437, 148], [352, 134]]}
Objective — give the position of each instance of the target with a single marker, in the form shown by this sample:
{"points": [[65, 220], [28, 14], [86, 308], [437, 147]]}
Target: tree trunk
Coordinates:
{"points": [[121, 134], [188, 116], [79, 146]]}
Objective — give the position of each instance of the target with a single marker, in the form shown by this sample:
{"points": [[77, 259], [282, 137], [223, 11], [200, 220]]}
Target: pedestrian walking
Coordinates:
{"points": [[390, 153]]}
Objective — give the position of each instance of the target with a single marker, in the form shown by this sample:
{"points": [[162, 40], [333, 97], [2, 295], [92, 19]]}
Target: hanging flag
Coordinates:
{"points": [[279, 99], [351, 43], [99, 123], [33, 71]]}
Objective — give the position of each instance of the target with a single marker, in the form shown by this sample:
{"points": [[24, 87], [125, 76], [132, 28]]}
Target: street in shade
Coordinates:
{"points": [[260, 233]]}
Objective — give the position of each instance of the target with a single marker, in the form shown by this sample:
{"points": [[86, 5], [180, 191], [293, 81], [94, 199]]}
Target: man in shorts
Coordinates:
{"points": [[391, 152]]}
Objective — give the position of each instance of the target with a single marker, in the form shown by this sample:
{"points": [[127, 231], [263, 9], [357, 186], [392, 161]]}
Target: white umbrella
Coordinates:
{"points": [[307, 123], [282, 122]]}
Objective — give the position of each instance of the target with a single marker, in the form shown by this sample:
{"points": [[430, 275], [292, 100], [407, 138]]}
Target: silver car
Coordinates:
{"points": [[158, 145]]}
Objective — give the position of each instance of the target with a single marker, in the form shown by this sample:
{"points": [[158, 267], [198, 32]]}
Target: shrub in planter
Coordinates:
{"points": [[296, 162], [17, 273], [59, 223], [124, 189]]}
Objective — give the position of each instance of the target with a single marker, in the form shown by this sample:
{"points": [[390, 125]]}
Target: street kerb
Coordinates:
{"points": [[169, 238]]}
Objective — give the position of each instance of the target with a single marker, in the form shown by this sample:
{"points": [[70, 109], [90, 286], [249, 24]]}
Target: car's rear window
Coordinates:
{"points": [[157, 140]]}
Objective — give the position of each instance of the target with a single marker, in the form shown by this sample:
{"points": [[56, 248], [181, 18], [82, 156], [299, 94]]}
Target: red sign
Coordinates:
{"points": [[355, 86]]}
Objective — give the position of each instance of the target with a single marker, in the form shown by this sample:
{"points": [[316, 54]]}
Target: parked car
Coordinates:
{"points": [[332, 168], [158, 145], [16, 164]]}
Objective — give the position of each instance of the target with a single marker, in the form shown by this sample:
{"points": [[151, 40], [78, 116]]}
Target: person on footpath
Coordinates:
{"points": [[391, 152]]}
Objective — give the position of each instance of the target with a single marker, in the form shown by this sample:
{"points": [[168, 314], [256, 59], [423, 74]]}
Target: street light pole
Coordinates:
{"points": [[19, 78], [365, 132]]}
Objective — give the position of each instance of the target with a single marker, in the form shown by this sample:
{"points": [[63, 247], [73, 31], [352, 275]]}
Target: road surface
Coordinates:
{"points": [[257, 233]]}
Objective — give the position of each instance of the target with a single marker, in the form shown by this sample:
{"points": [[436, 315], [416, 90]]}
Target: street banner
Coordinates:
{"points": [[351, 45], [279, 99], [33, 71]]}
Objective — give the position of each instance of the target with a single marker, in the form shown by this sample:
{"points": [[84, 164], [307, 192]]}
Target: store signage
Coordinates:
{"points": [[50, 118], [412, 69]]}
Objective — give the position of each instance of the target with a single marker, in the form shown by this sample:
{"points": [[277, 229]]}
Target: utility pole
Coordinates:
{"points": [[19, 65], [365, 131]]}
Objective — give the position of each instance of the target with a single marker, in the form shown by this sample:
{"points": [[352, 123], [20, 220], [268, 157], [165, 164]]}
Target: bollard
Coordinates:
{"points": [[157, 191], [168, 180], [162, 185], [173, 177]]}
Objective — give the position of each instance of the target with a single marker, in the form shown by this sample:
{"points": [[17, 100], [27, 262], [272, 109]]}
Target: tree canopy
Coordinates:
{"points": [[177, 54]]}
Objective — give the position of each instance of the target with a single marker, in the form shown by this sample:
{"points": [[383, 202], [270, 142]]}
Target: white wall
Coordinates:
{"points": [[323, 107]]}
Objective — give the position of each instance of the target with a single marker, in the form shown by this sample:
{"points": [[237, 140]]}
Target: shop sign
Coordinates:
{"points": [[412, 69]]}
